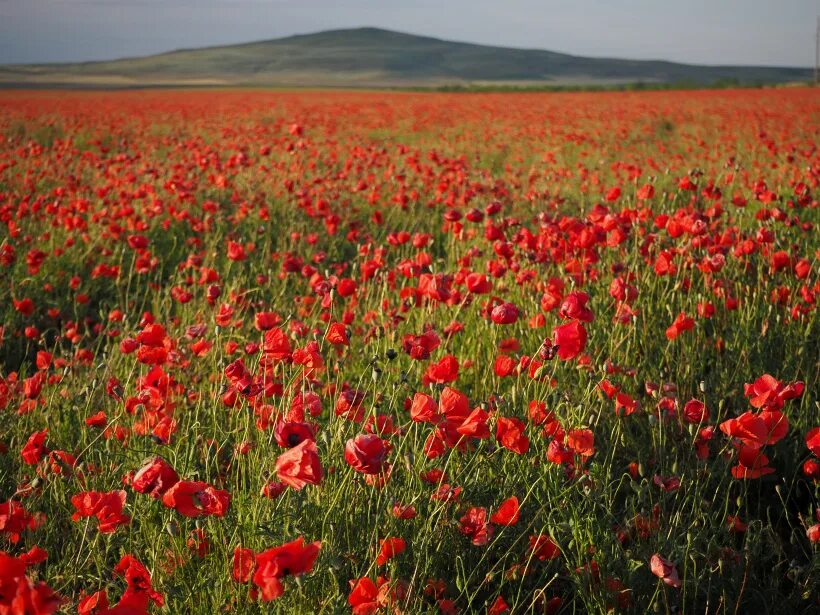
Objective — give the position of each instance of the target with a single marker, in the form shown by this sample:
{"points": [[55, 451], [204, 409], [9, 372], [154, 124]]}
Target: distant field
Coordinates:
{"points": [[391, 353]]}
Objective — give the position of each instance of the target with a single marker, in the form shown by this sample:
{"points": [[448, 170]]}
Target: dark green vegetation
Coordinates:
{"points": [[371, 57]]}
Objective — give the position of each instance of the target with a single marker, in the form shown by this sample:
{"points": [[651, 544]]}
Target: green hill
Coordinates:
{"points": [[372, 57]]}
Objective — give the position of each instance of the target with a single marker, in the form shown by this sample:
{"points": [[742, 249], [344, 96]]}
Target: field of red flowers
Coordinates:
{"points": [[334, 352]]}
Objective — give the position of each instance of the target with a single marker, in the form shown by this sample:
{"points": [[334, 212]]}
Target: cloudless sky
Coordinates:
{"points": [[769, 32]]}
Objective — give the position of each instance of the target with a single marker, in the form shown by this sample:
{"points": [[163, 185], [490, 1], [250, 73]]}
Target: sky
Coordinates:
{"points": [[765, 32]]}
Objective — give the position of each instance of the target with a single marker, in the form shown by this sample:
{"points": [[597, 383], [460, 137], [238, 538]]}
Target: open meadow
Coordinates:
{"points": [[397, 353]]}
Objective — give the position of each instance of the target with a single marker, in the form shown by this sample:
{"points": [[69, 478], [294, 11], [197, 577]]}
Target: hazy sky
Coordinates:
{"points": [[774, 32]]}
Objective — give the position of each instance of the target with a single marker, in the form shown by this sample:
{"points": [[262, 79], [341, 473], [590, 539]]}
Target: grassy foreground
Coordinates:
{"points": [[409, 353]]}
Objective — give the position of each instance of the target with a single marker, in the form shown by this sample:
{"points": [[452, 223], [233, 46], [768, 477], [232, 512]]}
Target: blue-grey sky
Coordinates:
{"points": [[772, 32]]}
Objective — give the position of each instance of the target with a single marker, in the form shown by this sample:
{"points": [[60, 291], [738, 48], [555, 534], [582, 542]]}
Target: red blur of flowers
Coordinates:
{"points": [[465, 342]]}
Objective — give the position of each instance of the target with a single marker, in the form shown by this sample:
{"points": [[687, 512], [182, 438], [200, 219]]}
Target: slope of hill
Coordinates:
{"points": [[372, 57]]}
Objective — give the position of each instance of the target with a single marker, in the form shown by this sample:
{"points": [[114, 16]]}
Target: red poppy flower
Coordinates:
{"points": [[544, 548], [777, 425], [813, 441], [366, 453], [474, 524], [751, 463], [508, 513], [504, 365], [424, 409], [277, 345], [105, 506], [682, 323], [571, 339], [510, 434], [350, 405], [390, 548], [300, 465], [34, 449], [504, 314], [403, 512], [749, 428], [695, 412], [478, 284], [291, 559], [139, 588], [575, 307], [154, 478], [454, 405], [475, 425], [768, 392], [19, 594], [364, 597], [582, 441], [236, 251], [664, 570], [197, 499], [265, 321], [15, 519], [558, 453], [420, 347], [446, 370], [337, 334], [244, 563], [645, 192], [292, 433]]}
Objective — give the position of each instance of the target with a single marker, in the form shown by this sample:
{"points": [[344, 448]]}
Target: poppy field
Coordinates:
{"points": [[397, 353]]}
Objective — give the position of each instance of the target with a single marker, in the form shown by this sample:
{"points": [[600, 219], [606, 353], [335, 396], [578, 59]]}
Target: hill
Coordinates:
{"points": [[372, 57]]}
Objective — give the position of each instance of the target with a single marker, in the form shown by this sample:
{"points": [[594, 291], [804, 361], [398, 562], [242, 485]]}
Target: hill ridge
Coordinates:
{"points": [[371, 57]]}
